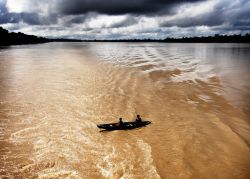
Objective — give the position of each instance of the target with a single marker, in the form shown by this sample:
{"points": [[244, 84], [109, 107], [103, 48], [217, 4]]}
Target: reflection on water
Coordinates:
{"points": [[196, 95]]}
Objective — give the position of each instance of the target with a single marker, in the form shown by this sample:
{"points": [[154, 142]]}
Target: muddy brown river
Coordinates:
{"points": [[53, 95]]}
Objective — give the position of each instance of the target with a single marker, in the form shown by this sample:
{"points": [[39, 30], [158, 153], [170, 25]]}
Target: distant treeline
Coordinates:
{"points": [[210, 39], [213, 39], [11, 38]]}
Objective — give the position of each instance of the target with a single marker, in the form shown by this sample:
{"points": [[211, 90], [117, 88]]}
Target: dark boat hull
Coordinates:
{"points": [[124, 126]]}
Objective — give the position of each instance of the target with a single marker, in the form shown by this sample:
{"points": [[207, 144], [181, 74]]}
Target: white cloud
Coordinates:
{"points": [[17, 6], [103, 21], [31, 6]]}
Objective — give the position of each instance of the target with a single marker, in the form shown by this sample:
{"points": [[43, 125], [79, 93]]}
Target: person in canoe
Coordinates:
{"points": [[138, 119], [120, 122]]}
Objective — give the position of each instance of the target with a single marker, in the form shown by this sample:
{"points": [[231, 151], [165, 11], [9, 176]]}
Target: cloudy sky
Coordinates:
{"points": [[125, 19]]}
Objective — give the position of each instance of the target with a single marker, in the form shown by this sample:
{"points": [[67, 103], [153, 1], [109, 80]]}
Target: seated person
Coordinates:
{"points": [[138, 119], [120, 122]]}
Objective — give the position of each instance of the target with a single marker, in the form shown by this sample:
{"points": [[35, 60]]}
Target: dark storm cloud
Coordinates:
{"points": [[241, 19], [110, 19], [78, 19], [35, 19], [116, 7], [241, 25], [29, 18], [82, 9]]}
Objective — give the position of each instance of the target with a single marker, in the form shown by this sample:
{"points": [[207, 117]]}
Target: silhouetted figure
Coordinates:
{"points": [[138, 119], [120, 122]]}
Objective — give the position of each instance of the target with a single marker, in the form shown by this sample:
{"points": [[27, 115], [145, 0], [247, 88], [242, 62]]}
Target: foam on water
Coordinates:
{"points": [[155, 59], [59, 173], [113, 165]]}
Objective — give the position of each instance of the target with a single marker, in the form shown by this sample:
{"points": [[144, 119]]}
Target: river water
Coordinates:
{"points": [[53, 95]]}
